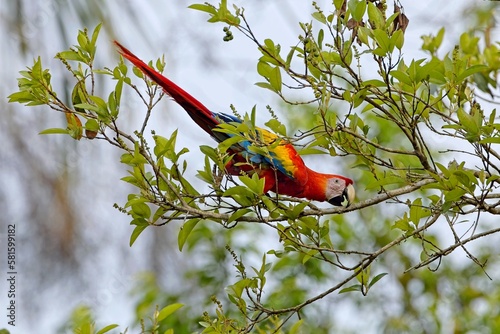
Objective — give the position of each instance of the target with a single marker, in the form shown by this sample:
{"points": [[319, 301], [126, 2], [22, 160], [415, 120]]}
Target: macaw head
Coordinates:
{"points": [[340, 191]]}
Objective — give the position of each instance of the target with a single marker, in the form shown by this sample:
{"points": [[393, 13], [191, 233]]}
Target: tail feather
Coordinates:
{"points": [[198, 112]]}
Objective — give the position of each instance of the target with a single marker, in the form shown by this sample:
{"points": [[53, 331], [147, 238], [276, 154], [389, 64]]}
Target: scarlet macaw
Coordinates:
{"points": [[283, 169]]}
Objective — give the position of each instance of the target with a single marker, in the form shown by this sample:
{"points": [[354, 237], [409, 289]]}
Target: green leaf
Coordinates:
{"points": [[255, 184], [168, 310], [295, 211], [82, 39], [374, 83], [112, 104], [470, 71], [163, 145], [101, 108], [185, 231], [454, 195], [338, 4], [375, 16], [439, 38], [54, 131], [106, 329], [383, 41], [204, 8], [363, 276], [384, 181], [21, 97], [272, 74], [118, 91], [238, 214], [390, 20], [490, 140], [136, 232], [431, 43], [289, 57], [137, 158], [403, 224], [264, 69], [237, 288], [221, 14], [356, 287], [398, 39], [137, 72], [413, 70], [265, 85], [469, 124], [276, 126], [95, 34], [469, 43], [158, 214], [296, 327], [241, 194], [321, 36], [363, 33], [417, 211], [230, 142], [358, 9], [376, 279], [308, 255], [319, 16], [209, 151], [141, 210], [310, 150], [92, 125], [86, 106], [70, 55]]}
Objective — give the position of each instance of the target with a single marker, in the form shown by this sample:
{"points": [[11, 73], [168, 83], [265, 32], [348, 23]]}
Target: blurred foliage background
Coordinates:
{"points": [[73, 246]]}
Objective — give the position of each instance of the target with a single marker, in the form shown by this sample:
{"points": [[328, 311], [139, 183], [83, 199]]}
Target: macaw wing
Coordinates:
{"points": [[277, 154], [284, 157]]}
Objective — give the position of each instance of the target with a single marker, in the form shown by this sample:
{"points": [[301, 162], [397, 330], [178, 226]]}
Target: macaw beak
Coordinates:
{"points": [[346, 198], [349, 194]]}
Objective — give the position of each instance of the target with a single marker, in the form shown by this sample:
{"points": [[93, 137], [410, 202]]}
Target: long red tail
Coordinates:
{"points": [[198, 112]]}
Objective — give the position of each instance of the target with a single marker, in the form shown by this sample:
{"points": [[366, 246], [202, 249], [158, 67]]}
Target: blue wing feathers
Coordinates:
{"points": [[252, 157]]}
